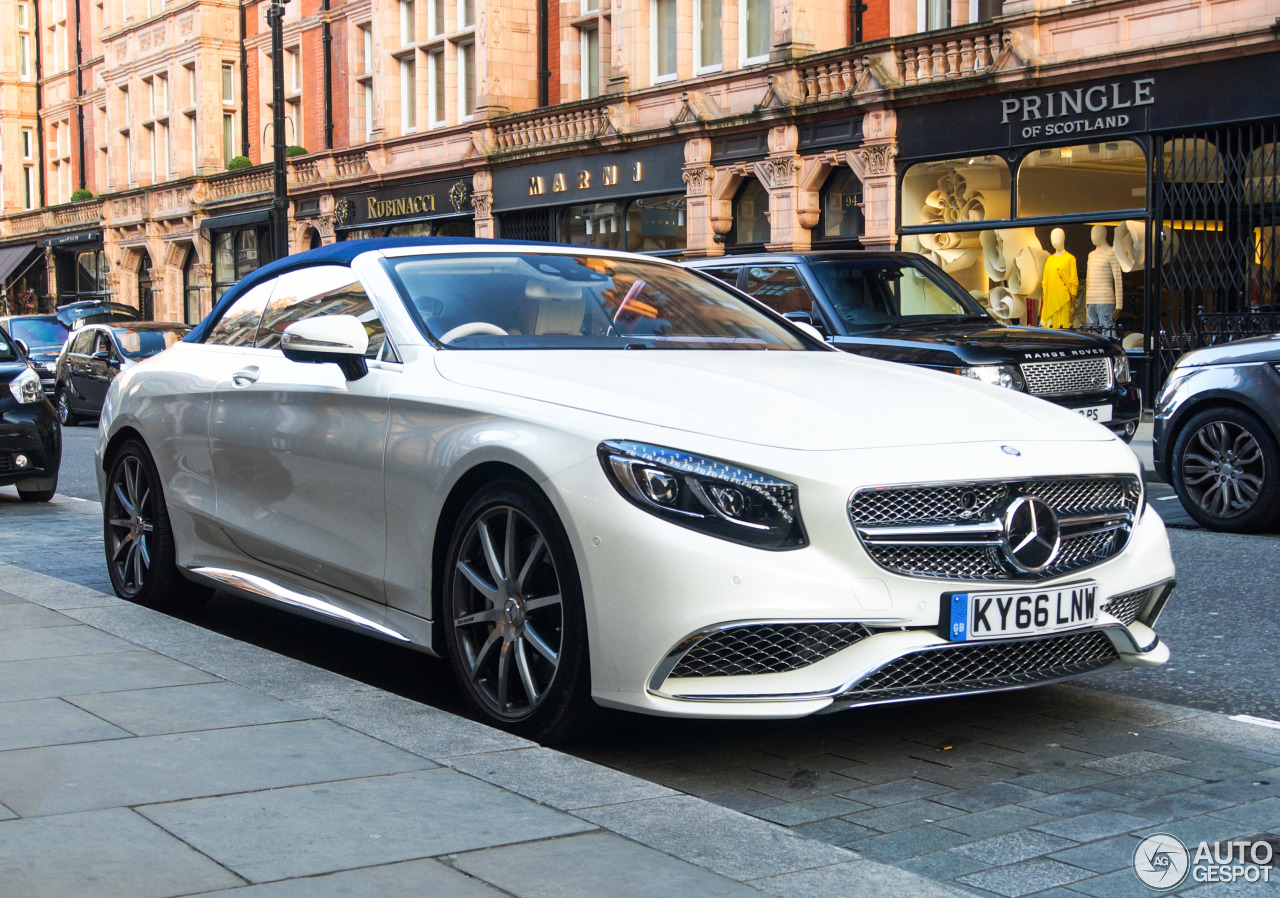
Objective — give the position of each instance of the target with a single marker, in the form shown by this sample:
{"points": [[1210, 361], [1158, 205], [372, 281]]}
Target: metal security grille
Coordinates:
{"points": [[766, 648], [531, 224], [1127, 607], [1216, 249], [1066, 378], [970, 667]]}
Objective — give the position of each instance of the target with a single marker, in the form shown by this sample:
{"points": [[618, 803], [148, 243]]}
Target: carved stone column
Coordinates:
{"points": [[482, 202], [202, 275], [699, 176], [50, 303], [873, 163], [780, 174]]}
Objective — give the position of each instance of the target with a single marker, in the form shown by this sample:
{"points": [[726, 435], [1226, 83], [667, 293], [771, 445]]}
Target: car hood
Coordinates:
{"points": [[1239, 352], [793, 400], [1004, 344]]}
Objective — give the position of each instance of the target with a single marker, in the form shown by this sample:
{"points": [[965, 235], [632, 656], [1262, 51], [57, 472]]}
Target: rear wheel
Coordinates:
{"points": [[1226, 470], [66, 417], [513, 615], [141, 557]]}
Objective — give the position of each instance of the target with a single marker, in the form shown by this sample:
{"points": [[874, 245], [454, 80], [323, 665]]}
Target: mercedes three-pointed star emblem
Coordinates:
{"points": [[1031, 534]]}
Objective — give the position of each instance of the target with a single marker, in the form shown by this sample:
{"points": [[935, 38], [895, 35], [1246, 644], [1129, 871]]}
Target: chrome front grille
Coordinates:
{"points": [[1067, 377], [766, 648], [977, 666], [1127, 607], [953, 531]]}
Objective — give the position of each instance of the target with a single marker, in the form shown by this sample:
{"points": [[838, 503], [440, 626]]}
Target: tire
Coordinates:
{"points": [[66, 417], [1226, 471], [138, 539], [517, 643], [37, 495]]}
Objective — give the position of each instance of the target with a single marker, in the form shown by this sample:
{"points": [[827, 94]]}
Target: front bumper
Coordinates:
{"points": [[29, 431], [1125, 401], [644, 617]]}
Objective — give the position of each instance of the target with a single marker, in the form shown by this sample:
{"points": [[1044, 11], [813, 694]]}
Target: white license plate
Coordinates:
{"points": [[1028, 612], [1099, 413]]}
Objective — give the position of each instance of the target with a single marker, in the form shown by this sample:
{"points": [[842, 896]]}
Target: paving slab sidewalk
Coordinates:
{"points": [[144, 756]]}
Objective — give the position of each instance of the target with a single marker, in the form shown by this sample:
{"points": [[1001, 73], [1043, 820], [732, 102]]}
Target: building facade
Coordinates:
{"points": [[967, 130]]}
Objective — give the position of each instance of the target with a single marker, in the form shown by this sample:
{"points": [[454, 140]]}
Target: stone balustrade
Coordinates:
{"points": [[531, 131], [248, 183], [957, 56], [304, 173], [88, 212], [350, 165]]}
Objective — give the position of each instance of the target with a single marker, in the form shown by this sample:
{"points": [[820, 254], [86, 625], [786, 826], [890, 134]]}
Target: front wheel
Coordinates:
{"points": [[66, 417], [513, 615], [1226, 470], [137, 537]]}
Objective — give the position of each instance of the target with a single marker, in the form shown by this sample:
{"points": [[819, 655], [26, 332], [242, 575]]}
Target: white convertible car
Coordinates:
{"points": [[589, 477]]}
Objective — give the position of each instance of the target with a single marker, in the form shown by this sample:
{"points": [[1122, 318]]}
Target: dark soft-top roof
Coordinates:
{"points": [[340, 253]]}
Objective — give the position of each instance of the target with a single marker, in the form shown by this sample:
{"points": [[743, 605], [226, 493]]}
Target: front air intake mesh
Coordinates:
{"points": [[766, 648]]}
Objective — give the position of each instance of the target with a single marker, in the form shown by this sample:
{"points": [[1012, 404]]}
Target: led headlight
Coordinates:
{"points": [[26, 387], [1000, 375], [1120, 366], [705, 494]]}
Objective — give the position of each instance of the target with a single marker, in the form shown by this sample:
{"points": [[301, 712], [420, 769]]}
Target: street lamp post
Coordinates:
{"points": [[279, 194]]}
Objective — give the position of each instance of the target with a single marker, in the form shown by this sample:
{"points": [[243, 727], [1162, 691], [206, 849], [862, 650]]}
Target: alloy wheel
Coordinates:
{"points": [[65, 415], [130, 524], [1223, 469], [508, 614]]}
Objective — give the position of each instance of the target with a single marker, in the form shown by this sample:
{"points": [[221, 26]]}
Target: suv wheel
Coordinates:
{"points": [[66, 417], [1226, 470]]}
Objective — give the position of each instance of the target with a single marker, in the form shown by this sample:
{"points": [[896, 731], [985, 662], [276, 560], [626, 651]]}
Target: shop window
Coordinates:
{"points": [[842, 205], [657, 224], [235, 254], [779, 287], [1262, 175], [1095, 177], [595, 224], [456, 227], [91, 272], [1192, 160], [410, 229], [191, 289], [751, 214], [955, 191]]}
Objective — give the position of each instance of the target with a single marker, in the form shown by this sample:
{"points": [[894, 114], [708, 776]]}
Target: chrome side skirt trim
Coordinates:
{"points": [[263, 588]]}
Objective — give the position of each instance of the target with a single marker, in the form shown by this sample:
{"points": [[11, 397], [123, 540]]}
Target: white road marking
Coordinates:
{"points": [[1257, 721]]}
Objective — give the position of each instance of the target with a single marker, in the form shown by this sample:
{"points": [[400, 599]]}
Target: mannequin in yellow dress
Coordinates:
{"points": [[1060, 284]]}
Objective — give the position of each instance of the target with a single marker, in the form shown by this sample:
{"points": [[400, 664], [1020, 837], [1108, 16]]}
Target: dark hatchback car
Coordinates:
{"points": [[902, 308], [30, 438], [43, 336], [1217, 434], [96, 353]]}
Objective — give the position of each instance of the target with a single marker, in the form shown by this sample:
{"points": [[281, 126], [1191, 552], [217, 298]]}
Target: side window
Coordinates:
{"points": [[239, 324], [778, 287], [313, 292], [83, 343], [103, 343], [728, 275]]}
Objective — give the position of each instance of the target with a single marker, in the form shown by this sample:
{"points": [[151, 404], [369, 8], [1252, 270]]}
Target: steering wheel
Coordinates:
{"points": [[470, 329]]}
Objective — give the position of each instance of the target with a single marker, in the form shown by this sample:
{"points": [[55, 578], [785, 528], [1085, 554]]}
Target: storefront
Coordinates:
{"points": [[23, 277], [1161, 186], [241, 244], [632, 200], [80, 266], [440, 208]]}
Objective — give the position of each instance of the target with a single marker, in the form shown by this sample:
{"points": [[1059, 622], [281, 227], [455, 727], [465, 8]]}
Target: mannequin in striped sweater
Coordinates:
{"points": [[1103, 291]]}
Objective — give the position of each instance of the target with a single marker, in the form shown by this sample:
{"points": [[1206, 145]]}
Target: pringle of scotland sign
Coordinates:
{"points": [[1069, 111]]}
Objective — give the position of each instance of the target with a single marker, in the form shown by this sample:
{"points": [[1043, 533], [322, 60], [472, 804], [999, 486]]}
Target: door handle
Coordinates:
{"points": [[245, 376]]}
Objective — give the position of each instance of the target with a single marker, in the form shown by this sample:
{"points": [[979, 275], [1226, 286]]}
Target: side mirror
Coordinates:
{"points": [[804, 320], [102, 355], [22, 344], [340, 339]]}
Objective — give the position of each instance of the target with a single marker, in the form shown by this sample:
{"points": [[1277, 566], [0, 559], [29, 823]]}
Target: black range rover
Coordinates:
{"points": [[903, 308], [30, 438]]}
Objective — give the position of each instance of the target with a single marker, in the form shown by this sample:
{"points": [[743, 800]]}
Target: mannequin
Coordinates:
{"points": [[1103, 291], [1060, 285]]}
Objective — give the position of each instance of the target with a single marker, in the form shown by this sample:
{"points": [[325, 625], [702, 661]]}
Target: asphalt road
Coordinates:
{"points": [[1222, 625]]}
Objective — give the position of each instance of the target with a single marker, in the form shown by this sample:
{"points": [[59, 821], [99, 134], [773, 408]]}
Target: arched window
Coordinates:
{"points": [[1094, 177], [842, 205], [956, 191], [751, 214]]}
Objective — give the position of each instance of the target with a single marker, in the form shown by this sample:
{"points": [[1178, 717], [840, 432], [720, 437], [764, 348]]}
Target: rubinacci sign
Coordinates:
{"points": [[1072, 111]]}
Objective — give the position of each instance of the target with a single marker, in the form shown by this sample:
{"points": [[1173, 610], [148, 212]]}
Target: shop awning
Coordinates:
{"points": [[235, 220], [11, 257]]}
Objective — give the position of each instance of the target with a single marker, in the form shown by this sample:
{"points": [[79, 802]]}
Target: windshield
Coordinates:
{"points": [[882, 292], [39, 333], [144, 344], [518, 300]]}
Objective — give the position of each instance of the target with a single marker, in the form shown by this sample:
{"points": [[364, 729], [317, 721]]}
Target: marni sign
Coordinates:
{"points": [[590, 178], [1077, 110]]}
